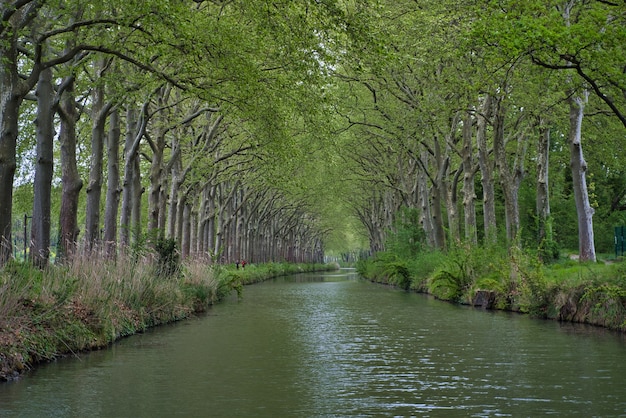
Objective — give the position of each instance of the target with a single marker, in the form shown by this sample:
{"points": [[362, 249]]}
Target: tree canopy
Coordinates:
{"points": [[287, 130]]}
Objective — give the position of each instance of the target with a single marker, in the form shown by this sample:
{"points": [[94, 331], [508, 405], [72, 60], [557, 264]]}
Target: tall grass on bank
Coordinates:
{"points": [[511, 279], [93, 302], [89, 304]]}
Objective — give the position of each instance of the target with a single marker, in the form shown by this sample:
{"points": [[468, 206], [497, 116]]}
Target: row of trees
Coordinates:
{"points": [[464, 112], [233, 126], [162, 119]]}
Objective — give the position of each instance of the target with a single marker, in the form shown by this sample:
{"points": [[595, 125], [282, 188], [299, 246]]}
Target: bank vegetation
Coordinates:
{"points": [[513, 280], [66, 310]]}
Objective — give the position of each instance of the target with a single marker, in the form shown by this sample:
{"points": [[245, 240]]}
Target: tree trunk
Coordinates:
{"points": [[210, 228], [193, 233], [12, 91], [156, 169], [10, 101], [156, 175], [71, 183], [586, 246], [510, 177], [40, 229], [163, 208], [137, 193], [543, 196], [113, 185], [469, 192], [451, 185], [185, 244], [486, 171], [438, 190], [174, 191], [173, 207], [201, 220], [426, 219], [132, 124], [182, 201], [94, 187]]}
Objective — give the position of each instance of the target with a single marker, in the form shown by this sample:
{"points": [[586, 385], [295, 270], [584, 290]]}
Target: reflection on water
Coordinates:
{"points": [[332, 345]]}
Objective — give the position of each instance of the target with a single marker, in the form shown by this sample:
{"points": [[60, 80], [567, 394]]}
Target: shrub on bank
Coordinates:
{"points": [[512, 279]]}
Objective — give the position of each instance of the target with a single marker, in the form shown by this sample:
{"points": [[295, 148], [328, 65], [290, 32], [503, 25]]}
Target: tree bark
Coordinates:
{"points": [[451, 185], [584, 211], [544, 231], [175, 182], [94, 186], [156, 169], [71, 183], [130, 154], [469, 192], [510, 177], [437, 192], [486, 171], [10, 100], [113, 186], [185, 244], [40, 229], [426, 219], [12, 92], [136, 194]]}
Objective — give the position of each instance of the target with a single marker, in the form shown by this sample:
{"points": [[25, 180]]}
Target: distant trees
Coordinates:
{"points": [[471, 95], [197, 89]]}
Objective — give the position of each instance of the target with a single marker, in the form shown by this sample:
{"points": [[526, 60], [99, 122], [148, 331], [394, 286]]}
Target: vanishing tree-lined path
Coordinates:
{"points": [[284, 130]]}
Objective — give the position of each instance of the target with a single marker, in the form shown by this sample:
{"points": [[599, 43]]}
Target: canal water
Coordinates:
{"points": [[331, 345]]}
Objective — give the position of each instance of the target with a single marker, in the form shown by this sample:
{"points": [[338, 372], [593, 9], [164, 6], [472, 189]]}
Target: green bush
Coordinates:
{"points": [[445, 285], [549, 251], [168, 257]]}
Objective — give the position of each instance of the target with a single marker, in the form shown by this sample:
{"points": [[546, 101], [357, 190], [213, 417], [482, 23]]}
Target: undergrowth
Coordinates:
{"points": [[514, 279]]}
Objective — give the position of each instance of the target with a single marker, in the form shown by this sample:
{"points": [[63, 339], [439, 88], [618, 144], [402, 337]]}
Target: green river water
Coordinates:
{"points": [[331, 345]]}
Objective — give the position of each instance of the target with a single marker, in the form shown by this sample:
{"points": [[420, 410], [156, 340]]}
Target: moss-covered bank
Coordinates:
{"points": [[88, 305], [513, 280]]}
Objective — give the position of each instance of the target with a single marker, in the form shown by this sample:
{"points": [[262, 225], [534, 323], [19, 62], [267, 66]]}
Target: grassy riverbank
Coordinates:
{"points": [[497, 278], [88, 305]]}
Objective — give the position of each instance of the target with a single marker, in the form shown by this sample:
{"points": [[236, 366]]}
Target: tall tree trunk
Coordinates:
{"points": [[156, 176], [94, 187], [486, 171], [182, 201], [174, 191], [451, 186], [130, 154], [438, 193], [469, 192], [163, 207], [136, 194], [578, 165], [211, 230], [201, 222], [71, 183], [113, 185], [40, 229], [12, 92], [185, 243], [510, 177], [543, 196], [193, 233], [426, 219], [10, 101], [156, 168], [586, 246]]}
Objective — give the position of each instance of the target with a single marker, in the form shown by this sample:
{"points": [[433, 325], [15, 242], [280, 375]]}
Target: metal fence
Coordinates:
{"points": [[620, 233]]}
